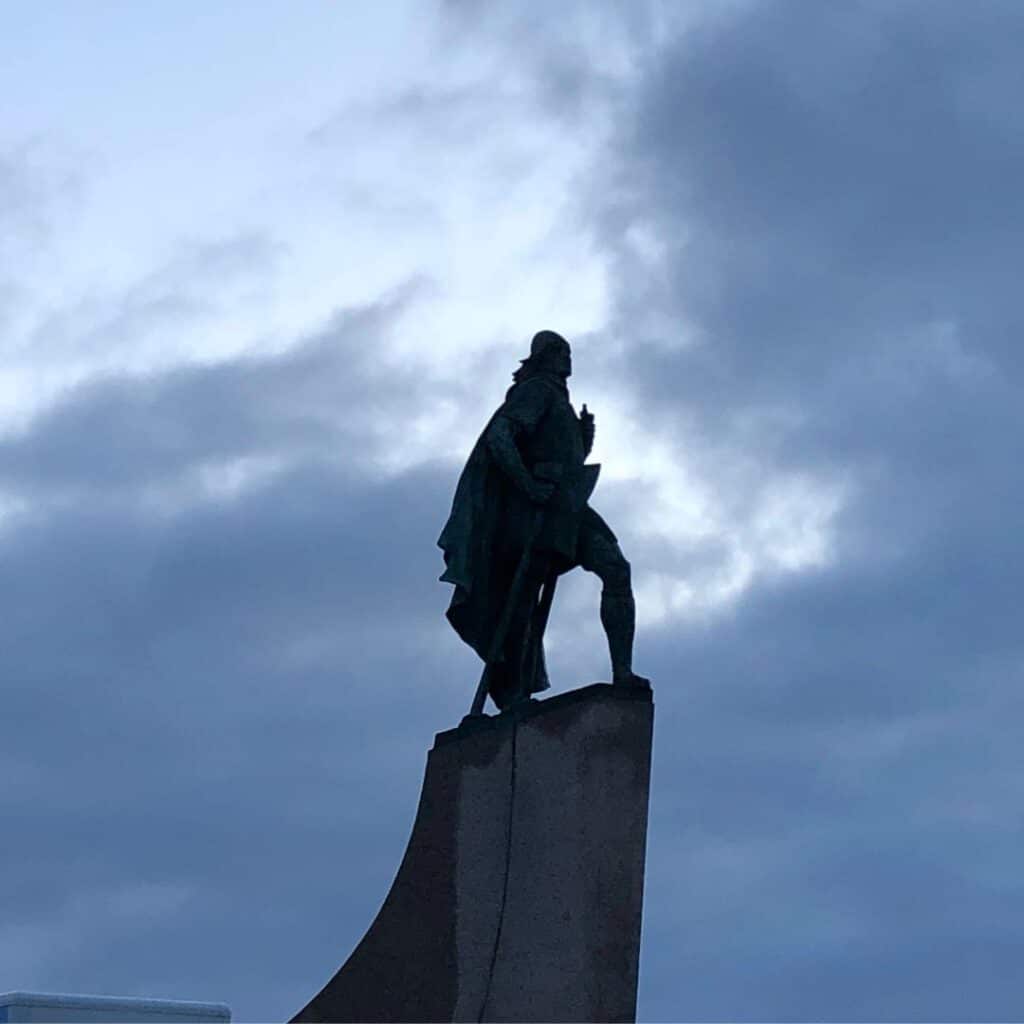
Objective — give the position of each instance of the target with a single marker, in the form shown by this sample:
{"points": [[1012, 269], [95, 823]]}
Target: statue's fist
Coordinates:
{"points": [[587, 427]]}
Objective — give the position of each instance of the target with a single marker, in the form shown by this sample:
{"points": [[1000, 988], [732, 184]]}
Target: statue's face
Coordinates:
{"points": [[561, 360]]}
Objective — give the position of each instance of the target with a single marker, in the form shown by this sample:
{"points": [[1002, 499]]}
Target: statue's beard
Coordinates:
{"points": [[529, 368]]}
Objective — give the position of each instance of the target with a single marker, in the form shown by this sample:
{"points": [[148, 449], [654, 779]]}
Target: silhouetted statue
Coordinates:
{"points": [[520, 519]]}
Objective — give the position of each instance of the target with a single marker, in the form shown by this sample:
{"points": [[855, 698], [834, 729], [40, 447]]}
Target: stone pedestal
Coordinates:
{"points": [[520, 893]]}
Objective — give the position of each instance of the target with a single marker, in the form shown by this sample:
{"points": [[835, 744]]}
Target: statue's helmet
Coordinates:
{"points": [[544, 340], [545, 344]]}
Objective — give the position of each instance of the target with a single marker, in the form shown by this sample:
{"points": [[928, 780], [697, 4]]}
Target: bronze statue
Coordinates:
{"points": [[519, 520]]}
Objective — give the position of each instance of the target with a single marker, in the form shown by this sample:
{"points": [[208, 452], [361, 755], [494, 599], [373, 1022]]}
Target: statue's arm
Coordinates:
{"points": [[501, 443]]}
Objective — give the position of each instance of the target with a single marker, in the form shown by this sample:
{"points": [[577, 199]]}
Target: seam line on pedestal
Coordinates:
{"points": [[504, 883]]}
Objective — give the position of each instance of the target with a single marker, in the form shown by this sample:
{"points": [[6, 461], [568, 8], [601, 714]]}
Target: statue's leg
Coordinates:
{"points": [[600, 554], [522, 647]]}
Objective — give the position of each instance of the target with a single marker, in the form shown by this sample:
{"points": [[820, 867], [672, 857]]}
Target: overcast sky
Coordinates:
{"points": [[265, 269]]}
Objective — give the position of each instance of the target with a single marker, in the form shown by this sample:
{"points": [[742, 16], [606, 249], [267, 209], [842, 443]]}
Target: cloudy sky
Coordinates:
{"points": [[264, 270]]}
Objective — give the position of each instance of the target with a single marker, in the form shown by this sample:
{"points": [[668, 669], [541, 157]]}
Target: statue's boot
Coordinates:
{"points": [[618, 616], [631, 679]]}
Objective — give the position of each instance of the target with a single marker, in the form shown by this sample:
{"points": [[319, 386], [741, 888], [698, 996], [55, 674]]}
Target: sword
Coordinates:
{"points": [[498, 641], [552, 472]]}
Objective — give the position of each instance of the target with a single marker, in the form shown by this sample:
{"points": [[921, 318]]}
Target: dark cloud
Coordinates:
{"points": [[570, 59], [187, 705], [198, 280], [322, 399], [823, 286], [841, 183], [187, 686], [832, 832]]}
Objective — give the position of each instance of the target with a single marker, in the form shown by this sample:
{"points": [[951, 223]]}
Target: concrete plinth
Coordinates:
{"points": [[520, 893]]}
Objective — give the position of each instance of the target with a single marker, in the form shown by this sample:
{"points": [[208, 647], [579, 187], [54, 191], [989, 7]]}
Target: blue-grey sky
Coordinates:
{"points": [[265, 269]]}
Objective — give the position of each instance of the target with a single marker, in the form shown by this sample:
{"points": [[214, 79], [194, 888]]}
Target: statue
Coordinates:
{"points": [[519, 520]]}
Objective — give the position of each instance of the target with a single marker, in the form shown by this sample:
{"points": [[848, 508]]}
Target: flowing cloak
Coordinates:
{"points": [[486, 531]]}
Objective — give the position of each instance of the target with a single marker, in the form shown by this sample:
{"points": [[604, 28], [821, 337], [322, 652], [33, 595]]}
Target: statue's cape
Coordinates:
{"points": [[467, 541]]}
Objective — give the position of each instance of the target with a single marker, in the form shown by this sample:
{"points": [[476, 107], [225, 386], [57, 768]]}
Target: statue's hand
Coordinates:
{"points": [[587, 428], [539, 491]]}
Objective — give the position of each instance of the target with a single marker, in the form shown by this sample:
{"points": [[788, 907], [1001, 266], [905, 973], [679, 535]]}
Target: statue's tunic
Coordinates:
{"points": [[491, 517]]}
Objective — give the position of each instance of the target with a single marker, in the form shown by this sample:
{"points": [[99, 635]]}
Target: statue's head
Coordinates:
{"points": [[549, 353]]}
